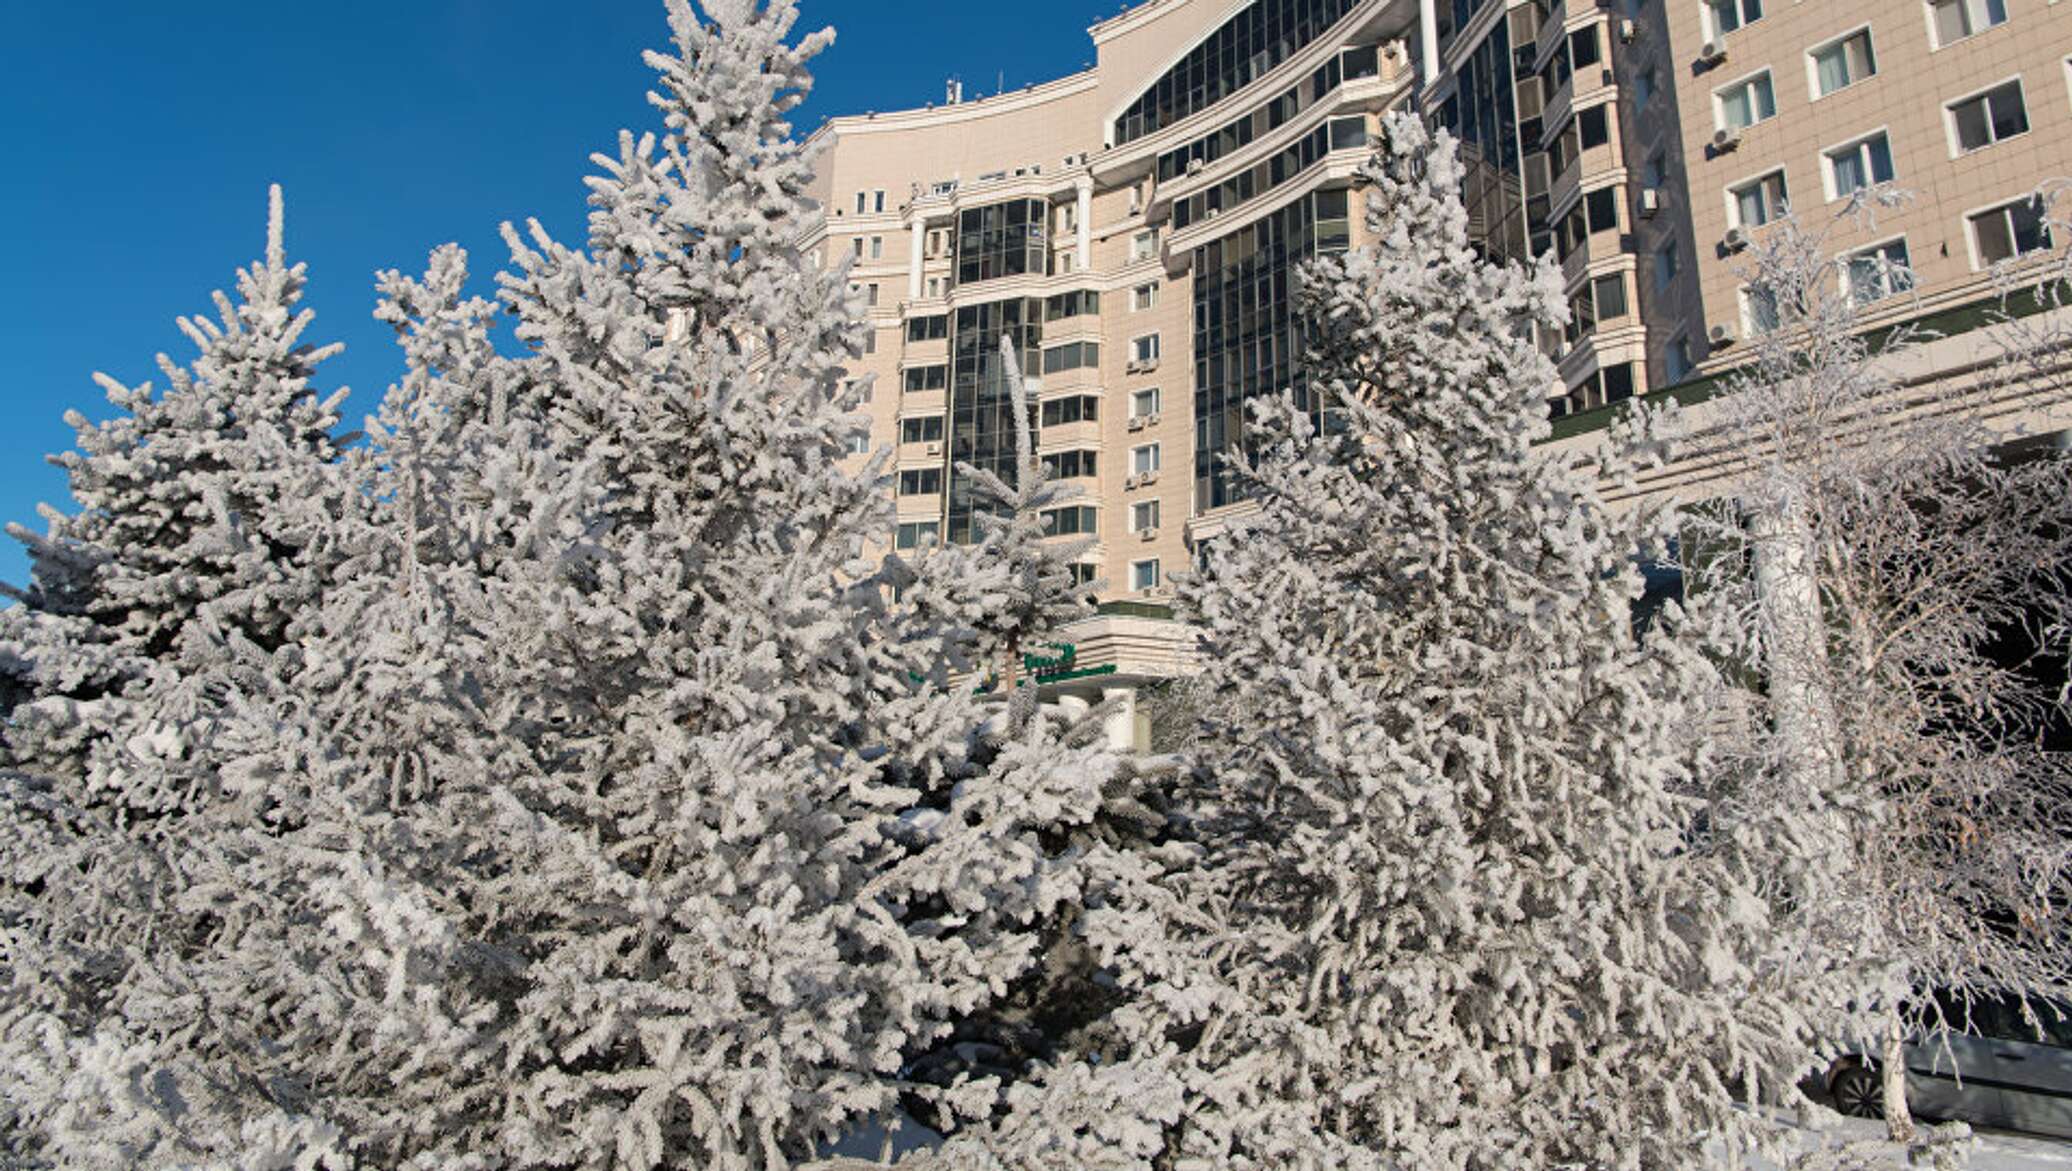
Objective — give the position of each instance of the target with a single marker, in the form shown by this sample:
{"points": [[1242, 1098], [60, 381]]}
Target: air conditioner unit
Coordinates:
{"points": [[935, 449], [1194, 166], [1148, 478], [1150, 534], [1151, 420], [1735, 240], [1628, 31], [1129, 482], [1650, 201], [1722, 335], [1137, 423], [1726, 139], [1135, 367], [1712, 52]]}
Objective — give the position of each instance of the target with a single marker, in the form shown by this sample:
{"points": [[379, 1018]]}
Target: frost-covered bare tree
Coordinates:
{"points": [[1897, 565]]}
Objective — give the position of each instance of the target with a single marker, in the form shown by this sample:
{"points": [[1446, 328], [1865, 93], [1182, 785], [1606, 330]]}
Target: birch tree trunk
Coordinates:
{"points": [[1899, 1121], [1801, 695]]}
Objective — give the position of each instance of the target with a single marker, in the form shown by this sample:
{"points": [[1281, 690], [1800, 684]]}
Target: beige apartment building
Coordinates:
{"points": [[1132, 229]]}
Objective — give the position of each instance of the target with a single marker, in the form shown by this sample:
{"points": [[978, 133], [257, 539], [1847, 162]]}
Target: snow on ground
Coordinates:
{"points": [[1991, 1150]]}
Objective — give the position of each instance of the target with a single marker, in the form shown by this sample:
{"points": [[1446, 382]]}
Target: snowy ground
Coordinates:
{"points": [[1991, 1151]]}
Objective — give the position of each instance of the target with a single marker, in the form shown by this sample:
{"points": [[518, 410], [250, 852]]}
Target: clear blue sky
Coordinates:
{"points": [[140, 137]]}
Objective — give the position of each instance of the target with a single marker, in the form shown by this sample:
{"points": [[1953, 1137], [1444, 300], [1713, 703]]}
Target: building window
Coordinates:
{"points": [[1957, 19], [1143, 297], [1609, 293], [1144, 575], [1667, 262], [1759, 310], [920, 482], [1861, 164], [1593, 126], [862, 202], [1584, 48], [1746, 102], [1144, 349], [1758, 201], [858, 443], [1655, 172], [1645, 83], [1076, 303], [1078, 408], [1002, 240], [1068, 218], [870, 295], [2011, 230], [915, 534], [1144, 403], [929, 329], [934, 286], [856, 249], [1727, 15], [1143, 459], [1071, 356], [924, 378], [924, 429], [1143, 515], [877, 201], [1678, 360], [1843, 63], [870, 341], [1071, 465], [877, 247], [1879, 272], [1994, 116], [1144, 245], [1080, 520]]}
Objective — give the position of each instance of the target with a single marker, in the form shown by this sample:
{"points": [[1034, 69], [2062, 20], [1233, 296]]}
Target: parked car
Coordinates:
{"points": [[1992, 1068]]}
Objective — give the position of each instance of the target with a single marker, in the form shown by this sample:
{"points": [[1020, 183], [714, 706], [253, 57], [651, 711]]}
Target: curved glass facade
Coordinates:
{"points": [[981, 407], [1247, 339], [1246, 47], [1002, 239]]}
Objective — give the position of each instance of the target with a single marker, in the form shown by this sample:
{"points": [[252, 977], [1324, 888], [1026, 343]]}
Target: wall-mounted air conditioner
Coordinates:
{"points": [[1136, 423], [1722, 335], [1148, 534], [1726, 139], [1629, 31], [935, 449], [1650, 201], [1712, 52], [1735, 240]]}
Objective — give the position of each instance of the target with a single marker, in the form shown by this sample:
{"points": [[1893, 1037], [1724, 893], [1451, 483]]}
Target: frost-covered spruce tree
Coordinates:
{"points": [[1899, 575], [615, 812], [179, 497], [1452, 910]]}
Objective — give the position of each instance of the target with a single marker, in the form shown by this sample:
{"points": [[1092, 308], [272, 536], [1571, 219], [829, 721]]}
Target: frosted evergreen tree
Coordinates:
{"points": [[178, 496], [1899, 577], [611, 810], [1449, 905]]}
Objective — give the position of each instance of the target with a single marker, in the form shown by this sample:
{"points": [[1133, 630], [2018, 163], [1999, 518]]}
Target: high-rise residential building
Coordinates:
{"points": [[1131, 230]]}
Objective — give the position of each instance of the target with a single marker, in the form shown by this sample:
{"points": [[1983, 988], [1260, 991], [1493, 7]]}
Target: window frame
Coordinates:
{"points": [[1978, 261], [1136, 345], [1935, 42], [1984, 94], [1157, 394], [1138, 508], [1139, 302], [1136, 569], [1734, 190], [1813, 89], [1157, 458], [1708, 11], [1831, 187], [1843, 267], [1719, 102], [1745, 296]]}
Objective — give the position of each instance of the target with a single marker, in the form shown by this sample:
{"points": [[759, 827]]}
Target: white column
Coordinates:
{"points": [[1121, 724], [920, 229], [1086, 221], [1428, 25]]}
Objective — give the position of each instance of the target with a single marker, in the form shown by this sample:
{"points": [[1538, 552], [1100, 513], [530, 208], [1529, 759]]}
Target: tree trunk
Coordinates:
{"points": [[1795, 631], [1899, 1121]]}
